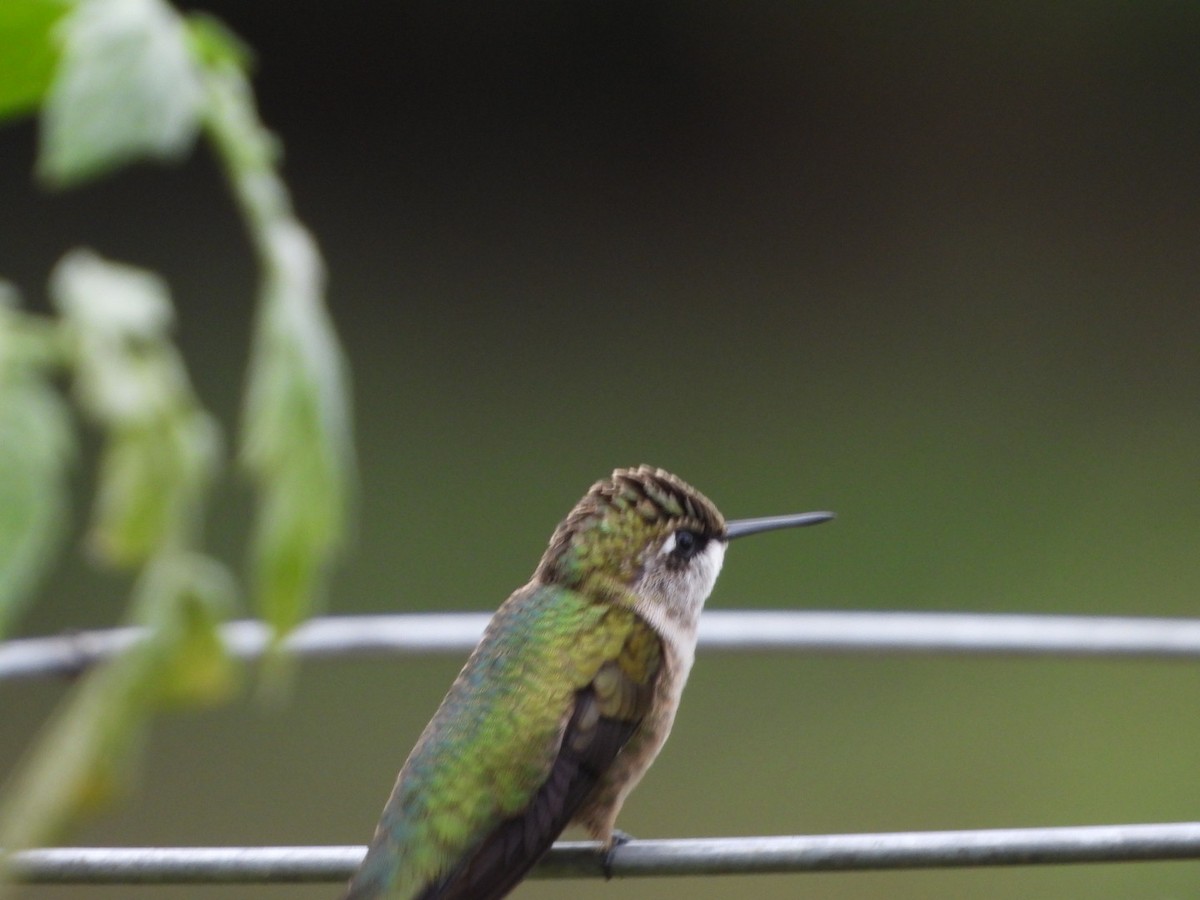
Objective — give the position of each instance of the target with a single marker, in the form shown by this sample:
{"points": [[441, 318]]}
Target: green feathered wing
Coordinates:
{"points": [[552, 693]]}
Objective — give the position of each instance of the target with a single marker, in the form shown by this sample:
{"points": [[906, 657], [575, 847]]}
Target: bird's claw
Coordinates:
{"points": [[618, 838]]}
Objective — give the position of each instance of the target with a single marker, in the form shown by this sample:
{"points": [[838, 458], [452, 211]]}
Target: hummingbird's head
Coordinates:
{"points": [[641, 536], [644, 536]]}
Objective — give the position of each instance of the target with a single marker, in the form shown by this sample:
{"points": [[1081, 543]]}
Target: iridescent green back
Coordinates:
{"points": [[492, 743]]}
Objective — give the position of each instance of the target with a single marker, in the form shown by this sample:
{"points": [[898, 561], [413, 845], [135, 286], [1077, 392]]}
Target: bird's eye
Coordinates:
{"points": [[687, 544]]}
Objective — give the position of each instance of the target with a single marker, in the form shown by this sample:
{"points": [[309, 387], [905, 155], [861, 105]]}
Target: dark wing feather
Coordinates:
{"points": [[591, 741]]}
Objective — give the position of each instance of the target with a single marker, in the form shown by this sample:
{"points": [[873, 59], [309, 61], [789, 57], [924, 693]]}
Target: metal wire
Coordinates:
{"points": [[703, 856], [969, 634], [873, 632]]}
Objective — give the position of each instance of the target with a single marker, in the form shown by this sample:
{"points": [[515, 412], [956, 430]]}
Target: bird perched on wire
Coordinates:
{"points": [[567, 699]]}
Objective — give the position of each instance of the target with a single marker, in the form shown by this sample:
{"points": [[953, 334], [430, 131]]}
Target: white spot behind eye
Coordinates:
{"points": [[714, 556], [668, 545]]}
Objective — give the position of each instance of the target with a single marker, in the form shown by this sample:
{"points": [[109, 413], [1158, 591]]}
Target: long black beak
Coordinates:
{"points": [[742, 527]]}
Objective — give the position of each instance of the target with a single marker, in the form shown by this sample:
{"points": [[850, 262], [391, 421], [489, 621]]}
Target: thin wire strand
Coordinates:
{"points": [[862, 632], [969, 634], [701, 856]]}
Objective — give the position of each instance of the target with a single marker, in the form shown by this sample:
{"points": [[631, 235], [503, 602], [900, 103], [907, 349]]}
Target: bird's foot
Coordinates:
{"points": [[618, 838]]}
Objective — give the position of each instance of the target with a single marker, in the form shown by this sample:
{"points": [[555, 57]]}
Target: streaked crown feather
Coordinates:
{"points": [[611, 528]]}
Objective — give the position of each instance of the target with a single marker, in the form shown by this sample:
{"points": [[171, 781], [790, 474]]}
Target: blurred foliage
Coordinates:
{"points": [[161, 448], [126, 88], [35, 449], [296, 416], [120, 81], [29, 54]]}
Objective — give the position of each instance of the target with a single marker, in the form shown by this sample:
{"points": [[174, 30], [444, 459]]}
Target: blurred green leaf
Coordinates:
{"points": [[27, 52], [151, 484], [27, 342], [201, 672], [296, 431], [215, 44], [126, 88], [83, 756], [161, 448], [120, 317], [35, 450], [36, 447], [111, 298], [86, 753], [182, 599]]}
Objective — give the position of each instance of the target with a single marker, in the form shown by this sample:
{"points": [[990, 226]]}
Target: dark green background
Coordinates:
{"points": [[932, 267]]}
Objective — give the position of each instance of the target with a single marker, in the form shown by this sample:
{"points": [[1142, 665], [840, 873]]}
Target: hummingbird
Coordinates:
{"points": [[566, 700]]}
